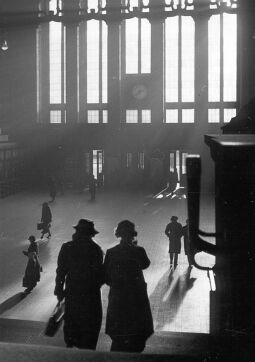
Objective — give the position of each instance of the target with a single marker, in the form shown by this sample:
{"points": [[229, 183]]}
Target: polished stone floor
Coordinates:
{"points": [[179, 299]]}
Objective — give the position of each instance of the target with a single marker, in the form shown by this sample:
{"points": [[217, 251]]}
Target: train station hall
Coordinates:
{"points": [[127, 180]]}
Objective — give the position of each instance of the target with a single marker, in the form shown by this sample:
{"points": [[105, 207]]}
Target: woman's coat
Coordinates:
{"points": [[128, 311]]}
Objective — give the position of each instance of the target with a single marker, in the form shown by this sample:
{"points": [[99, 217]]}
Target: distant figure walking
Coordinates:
{"points": [[92, 187], [174, 232], [129, 320], [32, 272], [46, 219], [52, 188], [186, 240], [78, 280]]}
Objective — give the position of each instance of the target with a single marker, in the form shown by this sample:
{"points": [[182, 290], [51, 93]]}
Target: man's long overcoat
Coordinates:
{"points": [[79, 278], [174, 233]]}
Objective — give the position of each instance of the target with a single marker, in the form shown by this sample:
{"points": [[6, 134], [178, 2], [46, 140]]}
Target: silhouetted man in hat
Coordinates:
{"points": [[78, 280], [174, 233]]}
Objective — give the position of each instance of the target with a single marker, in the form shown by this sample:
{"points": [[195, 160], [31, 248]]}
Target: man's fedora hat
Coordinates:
{"points": [[86, 226]]}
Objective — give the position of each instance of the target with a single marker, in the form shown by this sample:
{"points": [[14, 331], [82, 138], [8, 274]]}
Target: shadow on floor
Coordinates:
{"points": [[171, 291], [11, 302]]}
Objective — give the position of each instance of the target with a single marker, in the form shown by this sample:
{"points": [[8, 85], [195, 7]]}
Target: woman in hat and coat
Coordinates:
{"points": [[129, 319], [78, 280], [33, 268], [174, 233]]}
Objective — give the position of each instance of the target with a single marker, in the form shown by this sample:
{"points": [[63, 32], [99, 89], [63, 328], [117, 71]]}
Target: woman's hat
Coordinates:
{"points": [[125, 227], [86, 226], [174, 218]]}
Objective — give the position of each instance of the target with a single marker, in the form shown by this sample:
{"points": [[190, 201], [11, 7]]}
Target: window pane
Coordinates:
{"points": [[171, 59], [132, 45], [93, 4], [172, 116], [213, 115], [93, 61], [188, 38], [93, 116], [188, 116], [55, 62], [105, 116], [230, 56], [228, 114], [146, 116], [104, 61], [133, 3], [145, 46], [55, 116], [131, 116], [214, 58]]}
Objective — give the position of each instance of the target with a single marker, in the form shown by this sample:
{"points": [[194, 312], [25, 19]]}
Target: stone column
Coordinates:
{"points": [[157, 61]]}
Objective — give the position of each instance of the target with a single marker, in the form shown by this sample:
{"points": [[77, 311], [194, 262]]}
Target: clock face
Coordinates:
{"points": [[139, 91]]}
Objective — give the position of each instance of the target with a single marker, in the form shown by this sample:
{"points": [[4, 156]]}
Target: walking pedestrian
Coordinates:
{"points": [[129, 319], [33, 268], [78, 280], [46, 220], [174, 233]]}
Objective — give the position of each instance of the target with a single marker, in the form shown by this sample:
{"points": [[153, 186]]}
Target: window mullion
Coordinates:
{"points": [[139, 45], [221, 69], [180, 70], [63, 82]]}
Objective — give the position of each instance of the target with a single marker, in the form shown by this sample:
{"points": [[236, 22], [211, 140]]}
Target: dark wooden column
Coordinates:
{"points": [[114, 46], [234, 302], [157, 61]]}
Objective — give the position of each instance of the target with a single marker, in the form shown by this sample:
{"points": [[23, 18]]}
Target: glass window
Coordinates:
{"points": [[55, 116], [171, 115], [131, 41], [229, 57], [228, 114], [146, 116], [105, 116], [131, 116], [55, 62], [214, 115], [93, 61], [188, 55], [171, 59], [188, 116], [93, 116], [145, 46]]}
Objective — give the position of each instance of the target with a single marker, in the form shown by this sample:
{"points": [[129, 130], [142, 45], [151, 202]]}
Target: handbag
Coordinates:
{"points": [[55, 319], [40, 226]]}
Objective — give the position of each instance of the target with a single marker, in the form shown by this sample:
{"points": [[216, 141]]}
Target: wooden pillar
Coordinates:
{"points": [[234, 302]]}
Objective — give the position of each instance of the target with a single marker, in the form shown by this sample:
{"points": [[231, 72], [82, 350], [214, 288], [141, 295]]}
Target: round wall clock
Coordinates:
{"points": [[139, 91]]}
